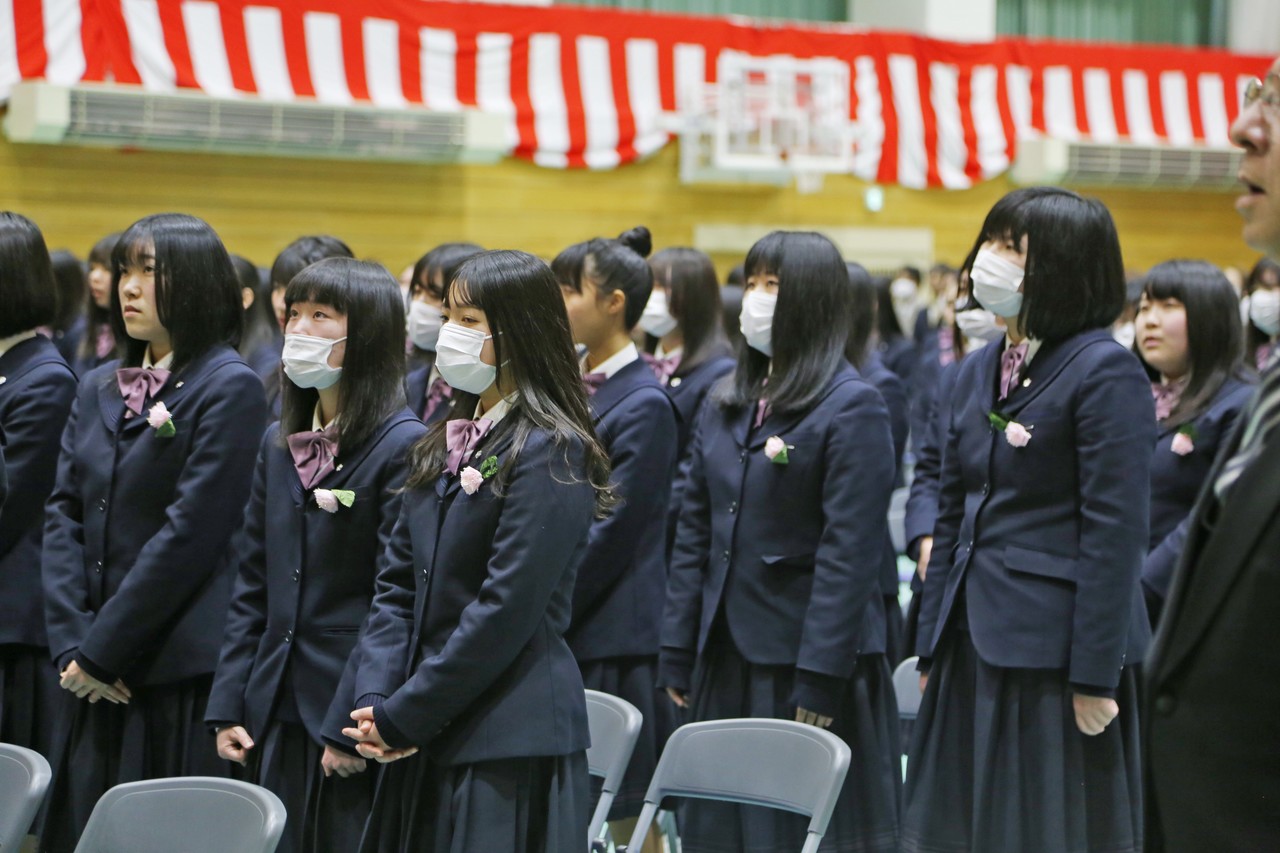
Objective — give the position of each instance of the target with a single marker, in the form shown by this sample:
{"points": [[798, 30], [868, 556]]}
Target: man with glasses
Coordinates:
{"points": [[1212, 700]]}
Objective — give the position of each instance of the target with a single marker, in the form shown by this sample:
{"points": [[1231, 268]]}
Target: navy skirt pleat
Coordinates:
{"points": [[514, 805], [159, 734], [30, 698], [894, 649], [725, 686], [634, 679], [997, 763]]}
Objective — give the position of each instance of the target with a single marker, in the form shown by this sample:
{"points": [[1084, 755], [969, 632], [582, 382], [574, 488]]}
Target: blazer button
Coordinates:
{"points": [[986, 488], [288, 636], [733, 507], [1165, 704], [98, 569], [742, 457], [296, 574], [725, 556], [102, 504]]}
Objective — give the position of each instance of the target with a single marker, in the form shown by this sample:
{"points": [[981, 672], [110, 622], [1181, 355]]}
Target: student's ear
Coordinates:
{"points": [[615, 303]]}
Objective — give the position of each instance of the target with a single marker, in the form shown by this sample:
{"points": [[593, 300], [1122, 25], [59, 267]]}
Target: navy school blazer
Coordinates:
{"points": [[922, 500], [415, 389], [1047, 540], [688, 389], [790, 554], [137, 565], [466, 634], [893, 392], [621, 583], [1176, 482], [36, 390], [306, 579]]}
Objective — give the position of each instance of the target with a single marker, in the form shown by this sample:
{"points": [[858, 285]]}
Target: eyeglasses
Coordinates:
{"points": [[1255, 91]]}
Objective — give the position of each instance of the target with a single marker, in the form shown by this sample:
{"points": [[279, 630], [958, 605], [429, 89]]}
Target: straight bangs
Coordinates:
{"points": [[567, 266], [765, 256]]}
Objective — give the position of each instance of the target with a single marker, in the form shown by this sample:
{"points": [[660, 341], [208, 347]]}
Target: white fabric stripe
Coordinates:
{"points": [[208, 49], [438, 59], [869, 140], [912, 170], [1059, 104], [595, 77], [146, 45], [984, 104], [382, 62], [1018, 83], [62, 23], [546, 93], [1213, 109], [1137, 107], [324, 57], [944, 93], [8, 49], [1098, 107], [264, 33], [690, 65], [644, 95], [1177, 108], [493, 80]]}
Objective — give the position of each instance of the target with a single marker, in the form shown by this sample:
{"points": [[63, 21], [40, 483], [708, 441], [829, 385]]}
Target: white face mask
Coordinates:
{"points": [[458, 359], [996, 282], [656, 319], [424, 324], [1125, 334], [756, 320], [903, 290], [979, 324], [1264, 311], [306, 361]]}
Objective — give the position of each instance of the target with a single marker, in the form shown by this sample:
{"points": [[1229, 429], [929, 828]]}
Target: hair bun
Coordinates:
{"points": [[638, 240]]}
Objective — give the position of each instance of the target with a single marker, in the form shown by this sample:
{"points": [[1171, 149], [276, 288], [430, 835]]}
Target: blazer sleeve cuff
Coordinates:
{"points": [[924, 665], [1093, 690], [93, 670], [675, 668], [371, 700], [347, 748], [391, 735], [817, 692]]}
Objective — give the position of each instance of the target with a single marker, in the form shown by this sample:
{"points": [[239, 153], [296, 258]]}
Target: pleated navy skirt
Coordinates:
{"points": [[997, 763], [726, 685], [515, 805], [30, 698], [894, 649], [326, 815], [634, 679], [159, 734]]}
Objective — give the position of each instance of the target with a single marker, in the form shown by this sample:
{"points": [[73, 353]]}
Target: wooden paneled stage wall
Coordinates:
{"points": [[394, 212]]}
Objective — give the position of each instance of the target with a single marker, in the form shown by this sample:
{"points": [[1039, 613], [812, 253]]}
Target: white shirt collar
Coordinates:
{"points": [[163, 364], [615, 362], [12, 341], [498, 412], [317, 420]]}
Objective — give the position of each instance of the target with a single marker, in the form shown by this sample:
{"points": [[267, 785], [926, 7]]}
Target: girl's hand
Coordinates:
{"points": [[1094, 713], [337, 761], [85, 686], [812, 719], [926, 550], [680, 697], [234, 744], [369, 743]]}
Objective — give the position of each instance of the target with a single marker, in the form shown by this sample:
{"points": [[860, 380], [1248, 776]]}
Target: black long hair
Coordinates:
{"points": [[96, 318], [887, 327], [372, 387], [693, 298], [1074, 279], [30, 296], [810, 324], [611, 265], [862, 314], [260, 327], [534, 352], [443, 259], [302, 253], [1215, 340], [69, 276], [198, 298], [1255, 338]]}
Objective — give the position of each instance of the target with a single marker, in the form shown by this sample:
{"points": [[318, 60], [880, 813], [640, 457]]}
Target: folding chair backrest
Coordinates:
{"points": [[906, 687], [193, 814], [24, 779], [775, 763], [615, 727]]}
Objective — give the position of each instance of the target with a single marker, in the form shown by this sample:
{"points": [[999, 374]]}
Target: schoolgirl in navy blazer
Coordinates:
{"points": [[429, 396]]}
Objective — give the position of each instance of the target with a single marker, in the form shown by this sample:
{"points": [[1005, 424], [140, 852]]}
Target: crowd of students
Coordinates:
{"points": [[365, 543]]}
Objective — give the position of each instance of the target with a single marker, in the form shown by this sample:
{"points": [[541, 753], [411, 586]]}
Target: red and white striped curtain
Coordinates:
{"points": [[587, 88]]}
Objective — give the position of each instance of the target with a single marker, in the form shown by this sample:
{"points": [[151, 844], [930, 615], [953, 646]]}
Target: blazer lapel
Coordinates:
{"points": [[618, 386], [1044, 368], [347, 464], [178, 386], [447, 485], [776, 423]]}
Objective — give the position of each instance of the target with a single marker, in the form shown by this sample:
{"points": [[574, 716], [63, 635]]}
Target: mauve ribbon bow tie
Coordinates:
{"points": [[1011, 361], [313, 454], [139, 384], [594, 382], [461, 438]]}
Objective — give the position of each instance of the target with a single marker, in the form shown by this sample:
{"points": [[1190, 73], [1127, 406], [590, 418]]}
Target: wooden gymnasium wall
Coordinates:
{"points": [[394, 212]]}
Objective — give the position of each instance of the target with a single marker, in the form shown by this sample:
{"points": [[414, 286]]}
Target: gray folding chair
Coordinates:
{"points": [[906, 687], [615, 727], [24, 779], [775, 763], [193, 814]]}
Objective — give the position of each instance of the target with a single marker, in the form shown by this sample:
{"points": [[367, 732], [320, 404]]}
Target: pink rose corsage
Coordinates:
{"points": [[1015, 433], [471, 480], [161, 421], [1185, 441], [776, 450], [330, 499]]}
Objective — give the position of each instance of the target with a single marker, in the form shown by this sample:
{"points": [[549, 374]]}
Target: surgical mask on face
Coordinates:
{"points": [[1125, 334], [424, 324], [996, 282], [903, 289], [1264, 311], [306, 361], [756, 320], [656, 319], [458, 359], [979, 324]]}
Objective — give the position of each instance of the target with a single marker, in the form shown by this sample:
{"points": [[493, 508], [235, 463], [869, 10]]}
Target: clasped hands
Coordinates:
{"points": [[85, 686], [369, 743]]}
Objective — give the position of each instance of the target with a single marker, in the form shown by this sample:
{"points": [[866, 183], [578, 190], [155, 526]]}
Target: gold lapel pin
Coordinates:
{"points": [[339, 468], [3, 379], [179, 385], [1026, 383]]}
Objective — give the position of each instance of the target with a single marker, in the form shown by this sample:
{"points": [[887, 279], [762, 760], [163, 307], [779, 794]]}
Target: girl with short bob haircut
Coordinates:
{"points": [[1189, 337], [1032, 613], [774, 607], [154, 472], [307, 564], [463, 654]]}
